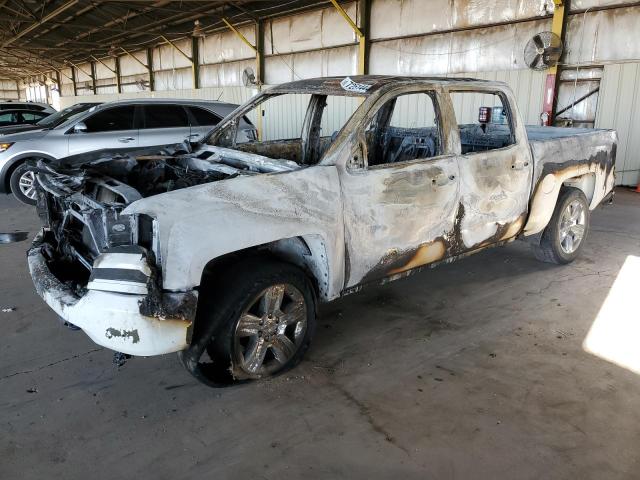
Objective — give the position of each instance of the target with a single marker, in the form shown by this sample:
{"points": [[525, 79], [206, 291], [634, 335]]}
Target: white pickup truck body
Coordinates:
{"points": [[343, 222]]}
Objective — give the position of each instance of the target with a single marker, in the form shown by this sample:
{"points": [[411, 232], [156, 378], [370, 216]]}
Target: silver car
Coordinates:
{"points": [[20, 105], [124, 124]]}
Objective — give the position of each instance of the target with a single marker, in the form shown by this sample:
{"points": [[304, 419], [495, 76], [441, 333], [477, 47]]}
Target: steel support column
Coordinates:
{"points": [[73, 81], [152, 80], [361, 32], [116, 63], [195, 61], [258, 50], [550, 100], [94, 87]]}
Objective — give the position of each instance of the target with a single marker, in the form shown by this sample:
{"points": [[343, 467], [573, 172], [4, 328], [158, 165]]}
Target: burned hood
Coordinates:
{"points": [[132, 174], [98, 157]]}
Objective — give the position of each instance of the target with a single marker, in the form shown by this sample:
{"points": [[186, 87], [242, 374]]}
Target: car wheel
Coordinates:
{"points": [[564, 237], [260, 323], [23, 185]]}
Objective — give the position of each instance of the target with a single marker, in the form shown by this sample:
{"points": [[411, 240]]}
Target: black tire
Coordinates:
{"points": [[14, 184], [550, 249], [212, 356]]}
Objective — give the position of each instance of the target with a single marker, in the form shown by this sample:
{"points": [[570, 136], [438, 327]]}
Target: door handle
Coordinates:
{"points": [[126, 139], [441, 180], [519, 165]]}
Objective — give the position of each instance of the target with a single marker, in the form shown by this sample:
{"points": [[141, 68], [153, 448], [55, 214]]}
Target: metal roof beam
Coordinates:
{"points": [[40, 22]]}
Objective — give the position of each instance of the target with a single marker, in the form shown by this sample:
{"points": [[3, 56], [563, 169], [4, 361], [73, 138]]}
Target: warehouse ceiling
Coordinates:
{"points": [[37, 36]]}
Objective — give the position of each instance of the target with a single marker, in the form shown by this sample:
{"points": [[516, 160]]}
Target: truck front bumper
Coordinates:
{"points": [[128, 323]]}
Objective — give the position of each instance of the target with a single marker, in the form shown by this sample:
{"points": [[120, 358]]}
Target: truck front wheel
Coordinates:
{"points": [[261, 323], [565, 234]]}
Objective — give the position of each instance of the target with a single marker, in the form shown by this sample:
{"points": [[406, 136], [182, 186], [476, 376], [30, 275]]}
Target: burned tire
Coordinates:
{"points": [[564, 237], [259, 323], [23, 185]]}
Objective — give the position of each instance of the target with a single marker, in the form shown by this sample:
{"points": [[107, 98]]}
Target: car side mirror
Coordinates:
{"points": [[80, 127]]}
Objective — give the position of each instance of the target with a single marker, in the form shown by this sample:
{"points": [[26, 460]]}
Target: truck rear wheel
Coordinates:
{"points": [[261, 322], [565, 234]]}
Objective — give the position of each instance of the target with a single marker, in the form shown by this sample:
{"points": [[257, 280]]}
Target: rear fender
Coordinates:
{"points": [[546, 194]]}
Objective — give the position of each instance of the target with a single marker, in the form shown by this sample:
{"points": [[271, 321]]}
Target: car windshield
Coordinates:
{"points": [[62, 116]]}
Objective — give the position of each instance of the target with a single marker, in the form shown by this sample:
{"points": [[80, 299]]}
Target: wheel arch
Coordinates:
{"points": [[15, 162], [307, 252], [547, 193]]}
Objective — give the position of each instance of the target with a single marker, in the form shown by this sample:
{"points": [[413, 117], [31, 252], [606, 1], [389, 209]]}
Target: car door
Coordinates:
{"points": [[400, 190], [163, 124], [495, 164], [108, 128], [202, 121]]}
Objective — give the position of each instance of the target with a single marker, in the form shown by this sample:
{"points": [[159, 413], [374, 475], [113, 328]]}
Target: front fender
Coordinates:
{"points": [[8, 164], [201, 223]]}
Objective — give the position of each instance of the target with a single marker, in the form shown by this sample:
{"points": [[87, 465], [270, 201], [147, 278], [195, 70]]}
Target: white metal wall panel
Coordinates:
{"points": [[396, 18], [283, 116], [316, 29], [226, 46], [224, 74], [235, 95], [65, 76], [497, 48], [585, 4], [178, 79], [9, 90], [619, 108], [605, 36], [106, 86], [413, 110], [133, 83], [320, 63], [129, 66], [67, 92], [83, 72], [167, 57], [104, 72]]}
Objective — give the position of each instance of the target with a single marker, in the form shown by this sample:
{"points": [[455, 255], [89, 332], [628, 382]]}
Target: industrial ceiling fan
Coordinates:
{"points": [[542, 51]]}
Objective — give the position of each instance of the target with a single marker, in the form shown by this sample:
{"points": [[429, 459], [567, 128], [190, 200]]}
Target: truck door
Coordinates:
{"points": [[495, 164], [400, 188]]}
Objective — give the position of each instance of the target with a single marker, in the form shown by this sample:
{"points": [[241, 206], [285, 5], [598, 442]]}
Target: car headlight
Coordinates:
{"points": [[4, 147]]}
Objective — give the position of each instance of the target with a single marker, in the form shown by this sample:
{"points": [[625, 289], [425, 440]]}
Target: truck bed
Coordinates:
{"points": [[536, 133], [578, 157]]}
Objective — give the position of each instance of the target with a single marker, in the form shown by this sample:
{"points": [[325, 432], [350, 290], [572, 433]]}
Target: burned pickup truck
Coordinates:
{"points": [[222, 250]]}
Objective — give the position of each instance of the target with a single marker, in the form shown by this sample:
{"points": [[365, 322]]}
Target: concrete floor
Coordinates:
{"points": [[473, 370]]}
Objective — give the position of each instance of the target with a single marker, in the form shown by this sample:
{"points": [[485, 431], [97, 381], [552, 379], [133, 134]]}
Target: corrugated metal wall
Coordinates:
{"points": [[9, 90], [476, 38], [619, 108]]}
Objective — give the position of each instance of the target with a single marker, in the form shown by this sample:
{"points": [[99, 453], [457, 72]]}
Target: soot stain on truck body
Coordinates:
{"points": [[132, 334]]}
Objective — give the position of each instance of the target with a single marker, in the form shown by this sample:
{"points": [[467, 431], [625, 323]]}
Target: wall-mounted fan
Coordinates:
{"points": [[543, 51], [248, 77]]}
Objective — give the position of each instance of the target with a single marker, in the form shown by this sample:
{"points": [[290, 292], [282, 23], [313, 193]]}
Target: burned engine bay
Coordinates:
{"points": [[81, 199]]}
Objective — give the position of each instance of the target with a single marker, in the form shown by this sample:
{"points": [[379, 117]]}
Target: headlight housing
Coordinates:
{"points": [[5, 146]]}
